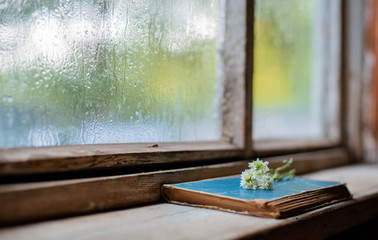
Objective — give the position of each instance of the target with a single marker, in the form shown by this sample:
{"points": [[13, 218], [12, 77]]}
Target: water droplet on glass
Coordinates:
{"points": [[134, 61]]}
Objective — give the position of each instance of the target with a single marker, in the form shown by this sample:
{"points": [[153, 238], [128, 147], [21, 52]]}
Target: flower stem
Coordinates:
{"points": [[277, 176]]}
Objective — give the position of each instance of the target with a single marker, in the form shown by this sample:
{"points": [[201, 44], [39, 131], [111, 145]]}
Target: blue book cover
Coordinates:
{"points": [[288, 197]]}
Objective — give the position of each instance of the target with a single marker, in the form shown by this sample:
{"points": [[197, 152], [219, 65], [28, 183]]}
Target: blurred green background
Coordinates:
{"points": [[68, 66], [287, 82], [283, 53]]}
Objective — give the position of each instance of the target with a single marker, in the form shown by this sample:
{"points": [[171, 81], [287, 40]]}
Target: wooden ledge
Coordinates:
{"points": [[168, 221], [36, 160], [28, 202]]}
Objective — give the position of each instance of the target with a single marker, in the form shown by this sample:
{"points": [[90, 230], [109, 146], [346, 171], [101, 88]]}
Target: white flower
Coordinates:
{"points": [[257, 176], [249, 179], [266, 182], [260, 167]]}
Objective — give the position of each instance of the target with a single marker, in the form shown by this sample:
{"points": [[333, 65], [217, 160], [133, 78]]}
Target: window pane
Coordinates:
{"points": [[84, 72], [290, 64]]}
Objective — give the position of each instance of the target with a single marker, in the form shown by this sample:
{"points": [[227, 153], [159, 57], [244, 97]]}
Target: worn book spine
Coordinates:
{"points": [[277, 208], [310, 200]]}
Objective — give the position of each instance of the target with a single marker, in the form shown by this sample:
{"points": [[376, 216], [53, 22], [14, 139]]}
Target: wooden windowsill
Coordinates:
{"points": [[30, 202], [37, 160], [168, 221]]}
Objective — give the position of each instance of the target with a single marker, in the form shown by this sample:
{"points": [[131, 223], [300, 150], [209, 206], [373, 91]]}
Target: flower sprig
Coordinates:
{"points": [[277, 176], [258, 175]]}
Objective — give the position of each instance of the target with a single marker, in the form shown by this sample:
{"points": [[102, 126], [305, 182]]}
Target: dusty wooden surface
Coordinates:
{"points": [[169, 221], [46, 200], [24, 202], [275, 147], [78, 157]]}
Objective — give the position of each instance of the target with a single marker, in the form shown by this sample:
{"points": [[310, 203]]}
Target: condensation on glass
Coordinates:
{"points": [[292, 69], [112, 71]]}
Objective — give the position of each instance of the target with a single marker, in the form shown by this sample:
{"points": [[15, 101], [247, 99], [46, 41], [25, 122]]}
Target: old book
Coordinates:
{"points": [[287, 198]]}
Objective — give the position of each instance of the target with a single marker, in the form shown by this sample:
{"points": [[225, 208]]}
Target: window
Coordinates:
{"points": [[296, 73], [112, 72], [150, 99], [87, 72]]}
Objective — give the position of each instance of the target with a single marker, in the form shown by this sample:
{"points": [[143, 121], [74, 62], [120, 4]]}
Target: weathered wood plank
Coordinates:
{"points": [[44, 200], [370, 89], [35, 201], [325, 222], [275, 147], [86, 157], [314, 161], [168, 221], [249, 65], [234, 108], [354, 49]]}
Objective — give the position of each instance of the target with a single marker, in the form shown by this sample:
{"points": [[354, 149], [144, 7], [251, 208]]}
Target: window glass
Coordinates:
{"points": [[289, 58], [84, 72]]}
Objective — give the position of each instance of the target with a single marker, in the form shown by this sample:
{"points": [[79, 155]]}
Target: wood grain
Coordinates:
{"points": [[353, 47], [234, 105], [249, 65], [86, 157], [46, 200], [370, 90], [313, 161], [169, 221], [40, 201], [276, 147], [372, 48], [332, 71]]}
